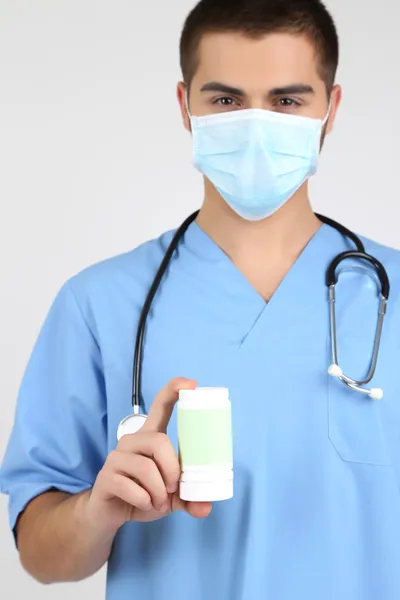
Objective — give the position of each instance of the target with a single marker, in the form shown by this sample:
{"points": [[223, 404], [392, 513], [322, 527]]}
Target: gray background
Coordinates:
{"points": [[94, 160]]}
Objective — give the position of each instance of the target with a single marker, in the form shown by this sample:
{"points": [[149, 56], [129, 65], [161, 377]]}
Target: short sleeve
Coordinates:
{"points": [[59, 433]]}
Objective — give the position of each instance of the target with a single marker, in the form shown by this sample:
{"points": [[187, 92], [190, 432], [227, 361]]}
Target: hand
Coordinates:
{"points": [[140, 479]]}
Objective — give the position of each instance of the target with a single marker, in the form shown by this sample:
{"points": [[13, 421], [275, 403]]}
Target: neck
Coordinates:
{"points": [[263, 251], [288, 229]]}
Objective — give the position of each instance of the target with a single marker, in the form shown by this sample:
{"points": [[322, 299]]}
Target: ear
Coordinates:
{"points": [[181, 94], [336, 98]]}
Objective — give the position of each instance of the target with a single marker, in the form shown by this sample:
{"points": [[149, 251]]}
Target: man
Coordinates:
{"points": [[243, 304]]}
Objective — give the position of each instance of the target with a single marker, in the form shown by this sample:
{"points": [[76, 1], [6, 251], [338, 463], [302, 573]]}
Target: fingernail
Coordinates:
{"points": [[172, 488], [164, 508]]}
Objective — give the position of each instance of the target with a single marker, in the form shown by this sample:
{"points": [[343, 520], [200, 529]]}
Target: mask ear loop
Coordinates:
{"points": [[188, 110], [187, 105], [328, 114]]}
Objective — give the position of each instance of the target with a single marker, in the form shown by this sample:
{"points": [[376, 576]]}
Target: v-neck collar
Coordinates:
{"points": [[200, 243], [302, 290]]}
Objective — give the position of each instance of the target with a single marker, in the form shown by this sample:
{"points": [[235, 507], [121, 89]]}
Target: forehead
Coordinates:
{"points": [[270, 61]]}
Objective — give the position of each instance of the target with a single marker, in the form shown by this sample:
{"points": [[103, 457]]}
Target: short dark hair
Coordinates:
{"points": [[256, 18]]}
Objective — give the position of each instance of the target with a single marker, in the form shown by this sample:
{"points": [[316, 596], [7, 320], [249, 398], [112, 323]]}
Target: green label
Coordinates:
{"points": [[205, 437]]}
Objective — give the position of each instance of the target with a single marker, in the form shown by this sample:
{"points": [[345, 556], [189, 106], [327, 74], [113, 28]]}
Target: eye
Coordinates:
{"points": [[287, 103], [225, 101]]}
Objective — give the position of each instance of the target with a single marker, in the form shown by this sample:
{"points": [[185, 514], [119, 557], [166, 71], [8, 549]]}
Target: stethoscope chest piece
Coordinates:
{"points": [[131, 424]]}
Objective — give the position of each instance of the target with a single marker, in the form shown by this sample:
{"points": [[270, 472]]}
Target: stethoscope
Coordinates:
{"points": [[133, 422]]}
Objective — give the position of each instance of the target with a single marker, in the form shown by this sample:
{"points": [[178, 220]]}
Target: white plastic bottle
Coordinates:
{"points": [[205, 444]]}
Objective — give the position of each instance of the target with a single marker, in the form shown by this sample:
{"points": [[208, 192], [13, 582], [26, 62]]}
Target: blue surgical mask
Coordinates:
{"points": [[256, 159]]}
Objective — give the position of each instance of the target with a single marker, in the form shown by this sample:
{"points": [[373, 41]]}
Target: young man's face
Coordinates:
{"points": [[278, 73]]}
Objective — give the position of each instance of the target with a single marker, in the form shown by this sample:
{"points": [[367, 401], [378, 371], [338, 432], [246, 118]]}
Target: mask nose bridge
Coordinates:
{"points": [[255, 133], [259, 133], [255, 147]]}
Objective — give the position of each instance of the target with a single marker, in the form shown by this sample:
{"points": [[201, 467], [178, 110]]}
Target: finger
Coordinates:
{"points": [[144, 471], [158, 447], [165, 457], [163, 404], [198, 510], [130, 492]]}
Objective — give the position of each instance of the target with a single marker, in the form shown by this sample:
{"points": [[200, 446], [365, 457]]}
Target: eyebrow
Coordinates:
{"points": [[216, 86], [288, 90], [295, 88]]}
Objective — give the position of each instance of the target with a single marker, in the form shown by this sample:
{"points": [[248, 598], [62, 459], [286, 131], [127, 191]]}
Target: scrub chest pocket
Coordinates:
{"points": [[357, 426]]}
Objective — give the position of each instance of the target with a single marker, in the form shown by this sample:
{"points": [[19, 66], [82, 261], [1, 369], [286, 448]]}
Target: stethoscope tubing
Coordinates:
{"points": [[331, 280]]}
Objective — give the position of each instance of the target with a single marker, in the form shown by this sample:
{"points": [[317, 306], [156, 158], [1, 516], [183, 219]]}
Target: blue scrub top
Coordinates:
{"points": [[316, 511]]}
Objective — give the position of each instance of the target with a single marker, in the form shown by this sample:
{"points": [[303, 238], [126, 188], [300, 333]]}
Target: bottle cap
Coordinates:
{"points": [[204, 397], [206, 491]]}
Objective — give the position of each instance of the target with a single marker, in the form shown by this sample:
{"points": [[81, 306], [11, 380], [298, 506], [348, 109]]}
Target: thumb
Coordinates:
{"points": [[198, 510]]}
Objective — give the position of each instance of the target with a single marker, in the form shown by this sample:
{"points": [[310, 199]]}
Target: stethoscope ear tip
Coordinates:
{"points": [[335, 371], [376, 394]]}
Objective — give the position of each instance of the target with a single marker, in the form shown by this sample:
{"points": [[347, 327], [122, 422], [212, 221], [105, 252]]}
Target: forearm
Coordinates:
{"points": [[58, 543]]}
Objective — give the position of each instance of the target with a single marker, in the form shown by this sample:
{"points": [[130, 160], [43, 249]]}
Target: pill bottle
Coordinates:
{"points": [[205, 444]]}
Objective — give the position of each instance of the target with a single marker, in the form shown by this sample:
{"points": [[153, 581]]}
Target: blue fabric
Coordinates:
{"points": [[316, 511]]}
